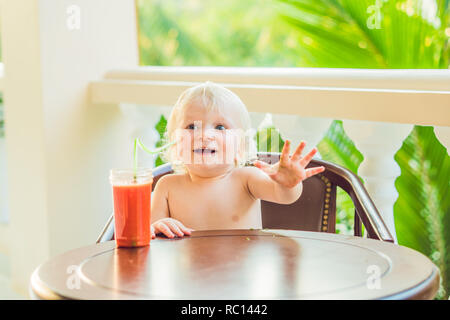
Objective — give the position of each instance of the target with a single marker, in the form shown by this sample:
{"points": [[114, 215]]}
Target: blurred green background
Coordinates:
{"points": [[332, 34]]}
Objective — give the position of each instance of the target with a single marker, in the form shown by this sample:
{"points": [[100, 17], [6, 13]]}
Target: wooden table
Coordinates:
{"points": [[240, 264]]}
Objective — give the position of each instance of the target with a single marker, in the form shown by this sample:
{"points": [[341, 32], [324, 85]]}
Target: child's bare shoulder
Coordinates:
{"points": [[170, 180], [248, 171]]}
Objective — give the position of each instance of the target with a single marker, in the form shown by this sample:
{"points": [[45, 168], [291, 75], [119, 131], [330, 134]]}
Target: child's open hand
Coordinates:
{"points": [[290, 170], [169, 227]]}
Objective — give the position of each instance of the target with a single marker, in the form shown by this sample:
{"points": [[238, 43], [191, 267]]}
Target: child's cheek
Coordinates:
{"points": [[184, 145], [232, 146]]}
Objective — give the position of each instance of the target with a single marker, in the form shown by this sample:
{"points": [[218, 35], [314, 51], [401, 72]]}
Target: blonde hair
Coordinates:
{"points": [[212, 97]]}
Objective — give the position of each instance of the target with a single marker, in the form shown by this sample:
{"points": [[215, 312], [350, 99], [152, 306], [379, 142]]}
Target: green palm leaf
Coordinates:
{"points": [[338, 33], [161, 128], [422, 216]]}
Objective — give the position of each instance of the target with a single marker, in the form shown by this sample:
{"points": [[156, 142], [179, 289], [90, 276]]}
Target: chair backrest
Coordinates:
{"points": [[315, 210]]}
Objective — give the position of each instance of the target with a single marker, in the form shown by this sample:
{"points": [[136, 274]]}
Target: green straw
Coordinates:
{"points": [[135, 159], [138, 142]]}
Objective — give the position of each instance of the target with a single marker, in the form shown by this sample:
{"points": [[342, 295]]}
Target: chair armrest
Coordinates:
{"points": [[365, 208], [107, 233]]}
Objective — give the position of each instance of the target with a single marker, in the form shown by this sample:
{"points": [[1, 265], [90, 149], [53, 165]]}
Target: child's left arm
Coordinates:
{"points": [[281, 182]]}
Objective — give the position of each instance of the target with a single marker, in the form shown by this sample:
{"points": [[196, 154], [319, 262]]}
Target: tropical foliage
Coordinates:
{"points": [[214, 33], [422, 215], [370, 33], [161, 129], [327, 33], [390, 34]]}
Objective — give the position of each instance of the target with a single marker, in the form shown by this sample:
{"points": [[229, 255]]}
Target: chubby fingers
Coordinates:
{"points": [[284, 157], [306, 159], [183, 228], [298, 152], [313, 171], [267, 168], [170, 228], [161, 227], [174, 228], [261, 164], [152, 231]]}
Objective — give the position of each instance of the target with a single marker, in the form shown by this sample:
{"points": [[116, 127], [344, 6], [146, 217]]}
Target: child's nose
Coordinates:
{"points": [[209, 134]]}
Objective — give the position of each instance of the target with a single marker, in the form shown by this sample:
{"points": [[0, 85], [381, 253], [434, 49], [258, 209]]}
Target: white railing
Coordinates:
{"points": [[385, 103], [399, 96]]}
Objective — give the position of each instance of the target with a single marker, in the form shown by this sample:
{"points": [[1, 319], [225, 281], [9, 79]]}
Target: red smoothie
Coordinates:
{"points": [[132, 214]]}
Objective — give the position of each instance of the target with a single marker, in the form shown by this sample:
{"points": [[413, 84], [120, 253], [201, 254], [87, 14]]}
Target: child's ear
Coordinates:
{"points": [[236, 162], [240, 155], [238, 159]]}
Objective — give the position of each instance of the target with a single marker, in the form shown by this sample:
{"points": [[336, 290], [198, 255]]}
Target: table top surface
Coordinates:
{"points": [[240, 264]]}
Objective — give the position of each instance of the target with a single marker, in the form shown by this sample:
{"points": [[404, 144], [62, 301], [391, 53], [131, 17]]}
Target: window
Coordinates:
{"points": [[295, 33]]}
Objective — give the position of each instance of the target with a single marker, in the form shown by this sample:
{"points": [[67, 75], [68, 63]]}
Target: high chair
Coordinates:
{"points": [[315, 210]]}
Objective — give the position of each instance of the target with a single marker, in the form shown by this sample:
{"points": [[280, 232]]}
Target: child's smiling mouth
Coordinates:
{"points": [[204, 151]]}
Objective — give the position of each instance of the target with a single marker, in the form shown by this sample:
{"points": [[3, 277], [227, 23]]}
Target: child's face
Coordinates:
{"points": [[209, 139]]}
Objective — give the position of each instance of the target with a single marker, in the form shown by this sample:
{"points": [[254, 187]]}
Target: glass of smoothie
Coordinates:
{"points": [[131, 193]]}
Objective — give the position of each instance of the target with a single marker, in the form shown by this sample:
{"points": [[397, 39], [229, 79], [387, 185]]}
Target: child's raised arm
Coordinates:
{"points": [[281, 182], [160, 217]]}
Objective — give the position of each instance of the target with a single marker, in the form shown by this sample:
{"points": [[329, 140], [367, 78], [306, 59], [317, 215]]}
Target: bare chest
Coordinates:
{"points": [[224, 204]]}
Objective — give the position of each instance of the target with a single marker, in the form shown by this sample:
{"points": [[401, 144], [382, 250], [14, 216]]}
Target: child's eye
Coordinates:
{"points": [[191, 127], [220, 127]]}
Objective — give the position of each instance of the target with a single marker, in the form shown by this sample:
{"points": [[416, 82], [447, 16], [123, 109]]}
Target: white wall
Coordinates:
{"points": [[60, 148]]}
